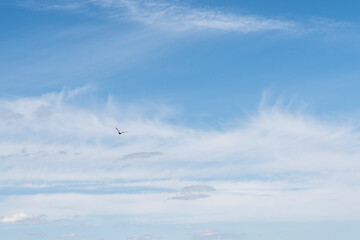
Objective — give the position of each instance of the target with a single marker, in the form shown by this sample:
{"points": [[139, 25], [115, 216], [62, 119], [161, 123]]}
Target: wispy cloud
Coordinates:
{"points": [[274, 158], [210, 235], [23, 218], [190, 196], [10, 115], [140, 237], [273, 140], [171, 15], [198, 188], [178, 17], [138, 155], [69, 235], [194, 192]]}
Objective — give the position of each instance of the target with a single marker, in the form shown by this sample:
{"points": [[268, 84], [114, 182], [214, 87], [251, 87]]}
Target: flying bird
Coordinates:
{"points": [[119, 131]]}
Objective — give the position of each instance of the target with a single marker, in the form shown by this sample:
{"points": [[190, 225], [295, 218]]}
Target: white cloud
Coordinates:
{"points": [[138, 155], [69, 235], [10, 115], [279, 164], [18, 217], [22, 218], [37, 234], [268, 201], [209, 234], [171, 16], [194, 192], [139, 237], [198, 188], [178, 17], [190, 196], [269, 142]]}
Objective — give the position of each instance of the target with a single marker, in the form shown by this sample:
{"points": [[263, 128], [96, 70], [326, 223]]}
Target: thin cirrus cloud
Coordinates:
{"points": [[191, 196], [165, 14], [137, 155], [271, 141], [194, 192], [23, 218], [168, 15], [287, 163], [212, 235], [319, 203], [140, 237]]}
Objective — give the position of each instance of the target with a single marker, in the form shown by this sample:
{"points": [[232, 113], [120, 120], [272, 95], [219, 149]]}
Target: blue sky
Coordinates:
{"points": [[242, 119]]}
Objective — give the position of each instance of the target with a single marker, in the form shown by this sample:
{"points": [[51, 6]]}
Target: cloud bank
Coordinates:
{"points": [[274, 164]]}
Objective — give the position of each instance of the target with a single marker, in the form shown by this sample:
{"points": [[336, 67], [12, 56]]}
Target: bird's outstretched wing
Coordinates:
{"points": [[119, 131]]}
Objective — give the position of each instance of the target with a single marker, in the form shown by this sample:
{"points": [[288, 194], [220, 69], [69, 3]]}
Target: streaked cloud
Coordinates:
{"points": [[209, 235], [198, 188], [194, 192], [23, 218], [140, 155], [188, 196], [275, 158], [140, 237], [271, 141], [170, 15]]}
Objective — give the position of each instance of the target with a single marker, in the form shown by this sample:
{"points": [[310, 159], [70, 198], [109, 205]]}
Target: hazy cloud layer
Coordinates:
{"points": [[139, 155], [23, 218], [194, 192], [37, 234], [212, 235], [198, 188], [140, 237], [273, 159], [8, 115], [191, 196], [69, 235]]}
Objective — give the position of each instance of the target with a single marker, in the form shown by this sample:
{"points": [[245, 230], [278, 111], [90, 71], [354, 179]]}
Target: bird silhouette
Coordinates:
{"points": [[119, 131]]}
